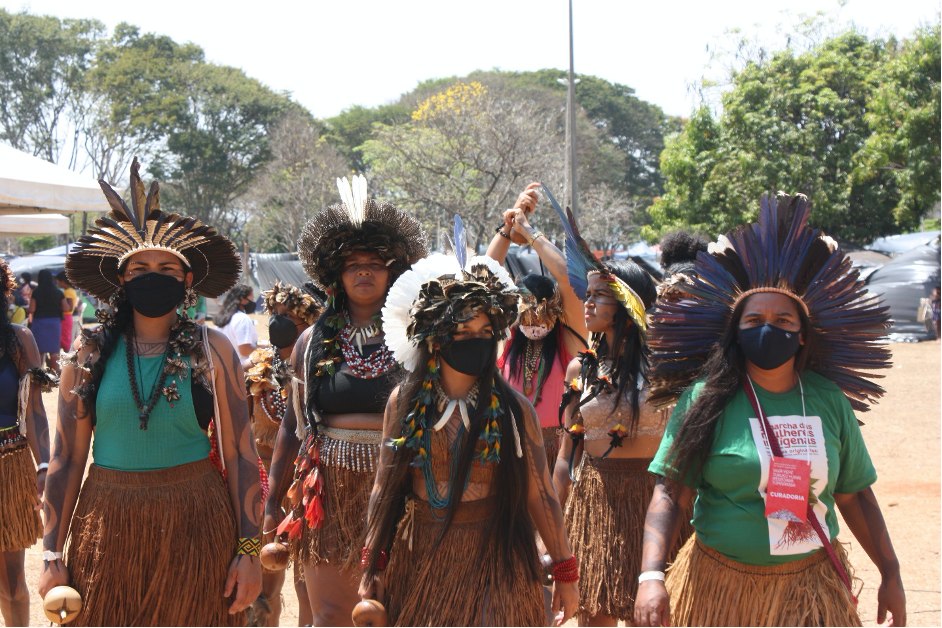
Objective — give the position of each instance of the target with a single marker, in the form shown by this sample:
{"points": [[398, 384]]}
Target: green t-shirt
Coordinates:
{"points": [[194, 312], [729, 513]]}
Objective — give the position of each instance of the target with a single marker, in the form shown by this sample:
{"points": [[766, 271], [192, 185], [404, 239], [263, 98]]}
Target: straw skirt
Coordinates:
{"points": [[153, 548], [20, 526]]}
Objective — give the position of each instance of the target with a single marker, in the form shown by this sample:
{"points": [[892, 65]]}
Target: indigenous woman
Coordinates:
{"points": [[601, 471], [23, 433], [462, 487], [154, 538], [233, 320], [551, 330], [292, 311], [344, 374], [776, 333]]}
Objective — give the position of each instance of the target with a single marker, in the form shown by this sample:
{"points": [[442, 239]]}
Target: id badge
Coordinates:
{"points": [[786, 496]]}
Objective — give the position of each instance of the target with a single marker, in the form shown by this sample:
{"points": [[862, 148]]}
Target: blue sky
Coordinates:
{"points": [[331, 55]]}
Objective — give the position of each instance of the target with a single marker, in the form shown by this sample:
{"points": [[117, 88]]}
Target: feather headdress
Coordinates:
{"points": [[359, 223], [298, 301], [780, 253], [94, 265], [429, 300], [582, 263]]}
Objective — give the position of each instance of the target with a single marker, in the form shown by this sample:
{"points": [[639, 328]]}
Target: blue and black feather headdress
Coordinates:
{"points": [[779, 253]]}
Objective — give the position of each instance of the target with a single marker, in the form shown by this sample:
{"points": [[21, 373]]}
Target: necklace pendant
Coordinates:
{"points": [[144, 416], [527, 388]]}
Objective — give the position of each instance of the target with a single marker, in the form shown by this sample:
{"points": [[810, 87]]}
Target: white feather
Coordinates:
{"points": [[397, 312], [358, 210], [346, 194], [502, 275]]}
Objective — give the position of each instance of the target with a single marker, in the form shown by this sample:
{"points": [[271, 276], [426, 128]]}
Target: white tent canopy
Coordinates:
{"points": [[33, 225], [29, 184]]}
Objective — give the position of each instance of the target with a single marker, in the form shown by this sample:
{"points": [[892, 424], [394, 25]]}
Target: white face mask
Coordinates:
{"points": [[535, 332]]}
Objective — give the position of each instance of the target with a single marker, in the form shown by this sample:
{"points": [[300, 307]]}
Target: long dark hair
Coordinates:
{"points": [[231, 304], [321, 333], [9, 343], [47, 291], [724, 371], [630, 354], [543, 289], [511, 525], [106, 339]]}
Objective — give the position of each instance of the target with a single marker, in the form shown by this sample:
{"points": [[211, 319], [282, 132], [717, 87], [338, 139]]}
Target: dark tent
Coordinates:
{"points": [[901, 283]]}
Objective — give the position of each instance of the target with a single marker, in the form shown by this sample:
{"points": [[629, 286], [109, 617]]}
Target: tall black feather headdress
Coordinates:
{"points": [[94, 265], [779, 253]]}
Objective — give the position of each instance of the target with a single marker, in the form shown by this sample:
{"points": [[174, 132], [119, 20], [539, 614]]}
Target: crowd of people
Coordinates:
{"points": [[425, 430]]}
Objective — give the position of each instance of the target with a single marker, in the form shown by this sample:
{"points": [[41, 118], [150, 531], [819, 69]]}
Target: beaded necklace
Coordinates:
{"points": [[132, 357], [273, 405], [377, 363], [533, 362]]}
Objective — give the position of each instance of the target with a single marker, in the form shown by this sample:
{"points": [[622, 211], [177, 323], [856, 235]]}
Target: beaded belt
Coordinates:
{"points": [[11, 440], [355, 450]]}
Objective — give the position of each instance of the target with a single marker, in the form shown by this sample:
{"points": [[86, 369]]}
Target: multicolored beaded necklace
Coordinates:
{"points": [[377, 363]]}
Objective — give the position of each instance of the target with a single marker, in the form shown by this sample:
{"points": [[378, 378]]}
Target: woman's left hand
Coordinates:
{"points": [[245, 577], [891, 597], [565, 601]]}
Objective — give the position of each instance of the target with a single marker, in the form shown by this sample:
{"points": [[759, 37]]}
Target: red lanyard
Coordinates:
{"points": [[812, 519]]}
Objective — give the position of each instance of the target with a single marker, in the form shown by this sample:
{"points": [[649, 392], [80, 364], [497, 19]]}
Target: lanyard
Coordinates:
{"points": [[777, 451]]}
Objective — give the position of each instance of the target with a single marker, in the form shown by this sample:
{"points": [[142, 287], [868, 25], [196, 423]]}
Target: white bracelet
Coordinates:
{"points": [[50, 557], [42, 466], [651, 575]]}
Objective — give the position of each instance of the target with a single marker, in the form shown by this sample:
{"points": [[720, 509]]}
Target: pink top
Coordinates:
{"points": [[551, 394]]}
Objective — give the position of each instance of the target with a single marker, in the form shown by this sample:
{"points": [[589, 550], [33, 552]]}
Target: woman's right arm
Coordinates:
{"points": [[652, 604], [69, 455], [561, 479]]}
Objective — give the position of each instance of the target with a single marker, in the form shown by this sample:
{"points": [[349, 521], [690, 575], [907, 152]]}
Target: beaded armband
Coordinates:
{"points": [[566, 570], [249, 547], [381, 561]]}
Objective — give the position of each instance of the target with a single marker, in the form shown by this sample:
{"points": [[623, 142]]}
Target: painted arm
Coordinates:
{"points": [[66, 469], [863, 516], [371, 584], [652, 606], [37, 427], [286, 443], [242, 476], [561, 480]]}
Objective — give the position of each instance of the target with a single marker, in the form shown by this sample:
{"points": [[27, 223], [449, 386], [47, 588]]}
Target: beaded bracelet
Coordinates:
{"points": [[566, 570], [367, 553], [500, 230], [249, 547]]}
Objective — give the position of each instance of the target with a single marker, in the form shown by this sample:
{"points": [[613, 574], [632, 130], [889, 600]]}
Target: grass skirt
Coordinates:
{"points": [[605, 517], [708, 589], [349, 468], [456, 586], [152, 548], [20, 525]]}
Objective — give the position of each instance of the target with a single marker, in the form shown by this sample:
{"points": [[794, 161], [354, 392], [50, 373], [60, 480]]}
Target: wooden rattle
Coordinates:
{"points": [[370, 613], [62, 604], [275, 556]]}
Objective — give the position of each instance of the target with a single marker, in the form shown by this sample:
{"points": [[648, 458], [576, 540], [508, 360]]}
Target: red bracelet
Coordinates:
{"points": [[566, 570], [367, 553]]}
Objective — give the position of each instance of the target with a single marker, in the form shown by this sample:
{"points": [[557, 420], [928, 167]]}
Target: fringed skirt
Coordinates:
{"points": [[348, 461], [605, 517], [551, 437], [20, 525], [708, 589], [457, 585], [153, 548]]}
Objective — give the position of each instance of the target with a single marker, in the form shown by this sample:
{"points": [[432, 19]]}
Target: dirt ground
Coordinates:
{"points": [[903, 435]]}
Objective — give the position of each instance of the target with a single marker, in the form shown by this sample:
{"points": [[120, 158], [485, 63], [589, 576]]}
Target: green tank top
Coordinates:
{"points": [[173, 435]]}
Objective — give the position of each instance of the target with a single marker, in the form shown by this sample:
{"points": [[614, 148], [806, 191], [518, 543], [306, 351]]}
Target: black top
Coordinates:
{"points": [[345, 393], [48, 304], [9, 388]]}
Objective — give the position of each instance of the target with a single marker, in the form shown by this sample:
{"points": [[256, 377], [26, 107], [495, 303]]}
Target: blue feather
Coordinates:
{"points": [[461, 242], [579, 258]]}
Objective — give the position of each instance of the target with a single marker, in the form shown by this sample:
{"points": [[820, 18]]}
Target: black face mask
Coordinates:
{"points": [[249, 308], [468, 356], [767, 346], [282, 332], [155, 294]]}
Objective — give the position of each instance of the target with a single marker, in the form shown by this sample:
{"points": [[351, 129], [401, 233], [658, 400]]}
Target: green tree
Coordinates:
{"points": [[792, 121], [350, 129], [904, 115], [43, 64], [217, 144]]}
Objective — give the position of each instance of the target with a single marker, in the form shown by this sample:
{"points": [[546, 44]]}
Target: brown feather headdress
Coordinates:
{"points": [[780, 253], [95, 264]]}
